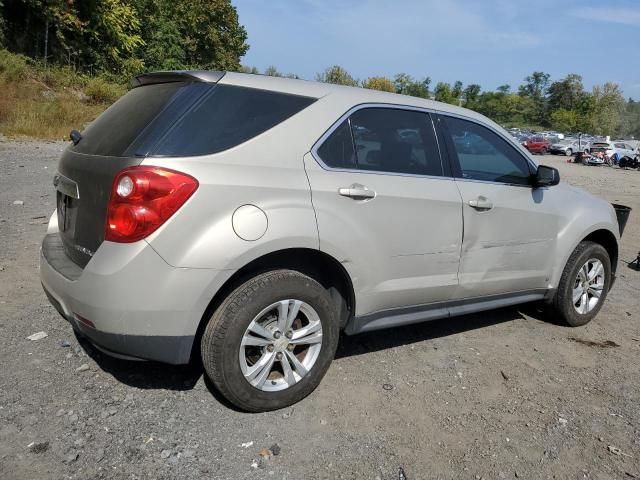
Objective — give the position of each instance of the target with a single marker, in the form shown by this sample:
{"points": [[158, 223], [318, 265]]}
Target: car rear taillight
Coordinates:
{"points": [[142, 199]]}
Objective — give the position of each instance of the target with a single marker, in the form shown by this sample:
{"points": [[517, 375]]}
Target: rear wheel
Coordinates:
{"points": [[584, 284], [270, 342], [543, 151], [569, 152]]}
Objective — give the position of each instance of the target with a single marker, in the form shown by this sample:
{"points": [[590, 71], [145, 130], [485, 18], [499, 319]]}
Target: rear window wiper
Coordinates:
{"points": [[75, 136]]}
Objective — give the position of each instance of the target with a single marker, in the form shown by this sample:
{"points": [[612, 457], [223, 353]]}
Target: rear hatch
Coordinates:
{"points": [[112, 142], [174, 114]]}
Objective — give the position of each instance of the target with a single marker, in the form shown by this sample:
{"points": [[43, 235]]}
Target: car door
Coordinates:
{"points": [[386, 208], [510, 228]]}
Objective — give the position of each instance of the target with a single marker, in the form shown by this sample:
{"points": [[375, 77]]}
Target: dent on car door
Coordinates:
{"points": [[510, 228], [385, 210]]}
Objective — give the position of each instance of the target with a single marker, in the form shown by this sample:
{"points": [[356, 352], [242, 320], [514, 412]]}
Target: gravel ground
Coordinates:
{"points": [[503, 394]]}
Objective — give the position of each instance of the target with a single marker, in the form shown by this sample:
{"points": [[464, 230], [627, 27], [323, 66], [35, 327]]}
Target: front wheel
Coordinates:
{"points": [[569, 152], [584, 284], [271, 341]]}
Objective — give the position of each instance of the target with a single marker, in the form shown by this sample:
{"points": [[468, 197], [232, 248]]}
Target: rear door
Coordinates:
{"points": [[509, 227], [386, 207]]}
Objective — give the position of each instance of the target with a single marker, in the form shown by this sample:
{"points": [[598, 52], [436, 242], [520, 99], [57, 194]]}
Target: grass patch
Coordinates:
{"points": [[47, 103]]}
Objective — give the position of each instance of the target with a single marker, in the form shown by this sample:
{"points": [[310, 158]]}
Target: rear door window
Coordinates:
{"points": [[384, 140], [186, 119], [483, 155], [396, 141]]}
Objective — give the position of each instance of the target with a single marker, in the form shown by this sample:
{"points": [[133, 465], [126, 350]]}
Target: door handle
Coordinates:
{"points": [[481, 203], [357, 192]]}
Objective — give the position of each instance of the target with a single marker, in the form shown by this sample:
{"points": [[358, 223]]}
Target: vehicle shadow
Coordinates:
{"points": [[381, 340], [142, 374], [158, 376]]}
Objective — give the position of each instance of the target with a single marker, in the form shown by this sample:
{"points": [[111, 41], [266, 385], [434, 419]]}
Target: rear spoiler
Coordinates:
{"points": [[177, 76]]}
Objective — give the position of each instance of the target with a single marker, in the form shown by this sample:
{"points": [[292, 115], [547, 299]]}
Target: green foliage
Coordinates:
{"points": [[564, 120], [183, 34], [609, 107], [272, 71], [47, 102], [379, 83], [13, 67], [337, 75], [100, 90], [246, 69], [407, 85], [566, 94], [125, 37], [535, 88], [444, 93]]}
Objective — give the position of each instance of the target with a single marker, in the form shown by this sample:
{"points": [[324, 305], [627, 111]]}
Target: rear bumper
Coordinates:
{"points": [[128, 300]]}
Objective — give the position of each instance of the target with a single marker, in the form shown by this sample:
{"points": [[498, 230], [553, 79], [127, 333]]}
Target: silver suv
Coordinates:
{"points": [[249, 220]]}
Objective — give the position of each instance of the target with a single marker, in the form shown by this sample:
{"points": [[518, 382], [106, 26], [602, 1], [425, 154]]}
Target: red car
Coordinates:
{"points": [[537, 144]]}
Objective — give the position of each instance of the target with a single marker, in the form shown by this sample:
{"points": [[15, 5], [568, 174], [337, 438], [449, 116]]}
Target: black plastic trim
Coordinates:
{"points": [[432, 311]]}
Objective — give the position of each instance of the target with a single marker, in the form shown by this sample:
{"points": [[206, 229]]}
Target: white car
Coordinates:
{"points": [[610, 149], [625, 149]]}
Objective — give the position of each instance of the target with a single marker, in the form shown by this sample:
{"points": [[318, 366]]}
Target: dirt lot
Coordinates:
{"points": [[504, 394]]}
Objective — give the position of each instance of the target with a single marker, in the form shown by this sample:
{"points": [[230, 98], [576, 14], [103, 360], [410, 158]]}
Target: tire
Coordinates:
{"points": [[543, 151], [569, 152], [227, 329], [563, 301]]}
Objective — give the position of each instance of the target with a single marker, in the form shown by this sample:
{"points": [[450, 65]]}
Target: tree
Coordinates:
{"points": [[535, 88], [565, 120], [203, 34], [100, 33], [108, 34], [456, 91], [337, 75], [407, 85], [444, 93], [609, 106], [272, 71], [379, 83], [247, 69], [566, 94], [470, 95]]}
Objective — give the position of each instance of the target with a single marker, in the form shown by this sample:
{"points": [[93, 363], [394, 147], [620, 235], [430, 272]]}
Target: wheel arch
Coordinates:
{"points": [[319, 265], [609, 241]]}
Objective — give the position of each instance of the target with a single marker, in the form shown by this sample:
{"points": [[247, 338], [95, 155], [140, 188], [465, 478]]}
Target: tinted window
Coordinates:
{"points": [[399, 141], [483, 155], [227, 116], [337, 150], [113, 131], [183, 119]]}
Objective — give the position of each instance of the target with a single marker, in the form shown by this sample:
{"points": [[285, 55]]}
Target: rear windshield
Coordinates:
{"points": [[185, 119]]}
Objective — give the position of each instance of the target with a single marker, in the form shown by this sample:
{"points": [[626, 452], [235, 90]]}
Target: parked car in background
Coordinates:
{"points": [[625, 149], [569, 146], [248, 220], [537, 144], [615, 150]]}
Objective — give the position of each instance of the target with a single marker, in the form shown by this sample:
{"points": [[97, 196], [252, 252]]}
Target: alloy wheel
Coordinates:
{"points": [[588, 286], [280, 345]]}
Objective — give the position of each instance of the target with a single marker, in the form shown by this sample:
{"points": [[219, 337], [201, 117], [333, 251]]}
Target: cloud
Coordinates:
{"points": [[621, 15]]}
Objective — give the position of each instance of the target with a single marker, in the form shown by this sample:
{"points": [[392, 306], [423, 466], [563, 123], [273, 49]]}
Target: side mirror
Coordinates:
{"points": [[546, 176]]}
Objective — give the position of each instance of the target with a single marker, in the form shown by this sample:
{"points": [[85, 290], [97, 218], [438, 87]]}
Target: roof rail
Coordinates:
{"points": [[210, 76]]}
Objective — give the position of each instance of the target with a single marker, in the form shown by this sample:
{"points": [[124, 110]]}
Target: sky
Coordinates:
{"points": [[489, 42]]}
